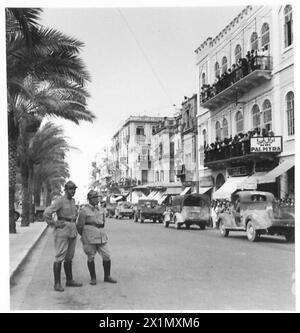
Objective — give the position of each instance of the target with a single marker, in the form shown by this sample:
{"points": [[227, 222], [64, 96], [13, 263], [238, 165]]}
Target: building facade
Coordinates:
{"points": [[131, 149], [245, 88]]}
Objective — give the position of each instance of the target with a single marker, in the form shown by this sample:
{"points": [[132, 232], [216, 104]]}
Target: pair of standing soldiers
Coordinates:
{"points": [[90, 225]]}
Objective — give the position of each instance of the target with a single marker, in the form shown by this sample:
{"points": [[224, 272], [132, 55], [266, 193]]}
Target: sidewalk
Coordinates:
{"points": [[21, 243]]}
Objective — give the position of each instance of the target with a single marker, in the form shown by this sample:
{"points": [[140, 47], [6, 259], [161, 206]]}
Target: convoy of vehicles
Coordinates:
{"points": [[147, 209], [257, 213], [191, 209]]}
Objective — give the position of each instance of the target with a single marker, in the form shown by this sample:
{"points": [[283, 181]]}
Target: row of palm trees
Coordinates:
{"points": [[45, 78]]}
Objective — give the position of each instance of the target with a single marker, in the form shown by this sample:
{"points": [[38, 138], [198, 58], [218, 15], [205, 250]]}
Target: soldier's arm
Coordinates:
{"points": [[80, 221], [50, 210]]}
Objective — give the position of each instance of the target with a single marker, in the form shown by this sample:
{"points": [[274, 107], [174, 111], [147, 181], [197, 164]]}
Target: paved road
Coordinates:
{"points": [[166, 269]]}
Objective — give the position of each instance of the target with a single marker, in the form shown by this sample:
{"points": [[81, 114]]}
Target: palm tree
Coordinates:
{"points": [[45, 76], [48, 145]]}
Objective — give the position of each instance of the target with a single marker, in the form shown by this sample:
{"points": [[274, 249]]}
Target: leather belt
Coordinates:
{"points": [[66, 219], [95, 224]]}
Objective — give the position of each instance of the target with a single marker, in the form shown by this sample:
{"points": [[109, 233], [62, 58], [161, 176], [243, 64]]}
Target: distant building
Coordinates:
{"points": [[131, 149], [236, 101]]}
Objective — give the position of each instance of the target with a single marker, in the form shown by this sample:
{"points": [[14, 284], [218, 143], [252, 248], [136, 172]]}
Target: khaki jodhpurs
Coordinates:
{"points": [[64, 248], [91, 249]]}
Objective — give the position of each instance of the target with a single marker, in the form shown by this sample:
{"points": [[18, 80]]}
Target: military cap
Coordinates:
{"points": [[93, 193], [70, 184]]}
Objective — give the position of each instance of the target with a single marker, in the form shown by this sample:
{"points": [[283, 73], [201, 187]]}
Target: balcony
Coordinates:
{"points": [[238, 153], [237, 83]]}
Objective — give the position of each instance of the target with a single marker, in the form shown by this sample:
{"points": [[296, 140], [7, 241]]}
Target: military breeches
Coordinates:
{"points": [[91, 249], [64, 248]]}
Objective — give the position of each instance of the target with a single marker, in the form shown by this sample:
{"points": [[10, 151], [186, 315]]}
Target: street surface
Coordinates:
{"points": [[160, 268]]}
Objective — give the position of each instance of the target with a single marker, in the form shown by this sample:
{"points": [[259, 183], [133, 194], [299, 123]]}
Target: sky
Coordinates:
{"points": [[141, 61]]}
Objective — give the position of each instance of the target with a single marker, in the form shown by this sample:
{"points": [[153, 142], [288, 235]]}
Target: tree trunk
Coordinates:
{"points": [[48, 196], [31, 194], [25, 197], [12, 160]]}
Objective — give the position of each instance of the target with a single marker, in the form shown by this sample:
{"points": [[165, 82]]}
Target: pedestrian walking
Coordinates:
{"points": [[90, 225], [65, 234]]}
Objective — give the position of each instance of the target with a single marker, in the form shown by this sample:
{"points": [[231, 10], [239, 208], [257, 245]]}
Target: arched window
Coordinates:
{"points": [[290, 112], [267, 114], [218, 130], [217, 69], [225, 128], [256, 116], [254, 41], [203, 79], [224, 65], [265, 36], [239, 121], [238, 53], [288, 25], [220, 180], [204, 137]]}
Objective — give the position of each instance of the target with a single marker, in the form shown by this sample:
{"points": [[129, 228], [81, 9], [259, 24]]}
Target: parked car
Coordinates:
{"points": [[123, 209], [191, 209], [148, 209], [257, 213]]}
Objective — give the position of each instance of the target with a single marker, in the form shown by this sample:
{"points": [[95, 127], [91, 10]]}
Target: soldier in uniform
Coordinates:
{"points": [[90, 225], [65, 234]]}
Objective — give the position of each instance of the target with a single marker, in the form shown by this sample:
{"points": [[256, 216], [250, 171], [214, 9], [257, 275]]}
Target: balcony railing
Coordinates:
{"points": [[237, 82]]}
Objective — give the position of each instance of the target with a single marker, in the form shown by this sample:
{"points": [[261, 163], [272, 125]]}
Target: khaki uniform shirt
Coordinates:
{"points": [[65, 209], [90, 233]]}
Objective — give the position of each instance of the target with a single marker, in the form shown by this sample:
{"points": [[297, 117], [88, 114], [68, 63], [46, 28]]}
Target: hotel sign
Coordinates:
{"points": [[267, 144]]}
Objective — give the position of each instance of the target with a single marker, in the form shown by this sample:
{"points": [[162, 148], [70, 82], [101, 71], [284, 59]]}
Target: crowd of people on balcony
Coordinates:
{"points": [[233, 146], [256, 59]]}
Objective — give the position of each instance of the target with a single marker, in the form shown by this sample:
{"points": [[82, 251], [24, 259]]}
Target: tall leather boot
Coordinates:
{"points": [[68, 270], [56, 272], [91, 267], [107, 277]]}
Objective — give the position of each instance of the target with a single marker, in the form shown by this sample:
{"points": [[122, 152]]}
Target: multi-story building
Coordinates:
{"points": [[246, 103], [131, 149], [189, 142]]}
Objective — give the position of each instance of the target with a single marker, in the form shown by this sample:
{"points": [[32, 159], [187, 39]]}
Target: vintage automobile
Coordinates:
{"points": [[124, 209], [257, 213], [148, 209], [191, 209]]}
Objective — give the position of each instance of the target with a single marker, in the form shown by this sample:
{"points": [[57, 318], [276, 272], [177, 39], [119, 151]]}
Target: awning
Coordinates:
{"points": [[161, 200], [185, 191], [151, 195], [251, 182], [203, 190], [284, 166], [230, 186], [158, 195]]}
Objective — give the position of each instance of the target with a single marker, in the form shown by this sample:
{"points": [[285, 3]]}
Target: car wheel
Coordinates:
{"points": [[223, 231], [252, 233], [154, 220], [202, 227], [290, 236], [187, 226]]}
